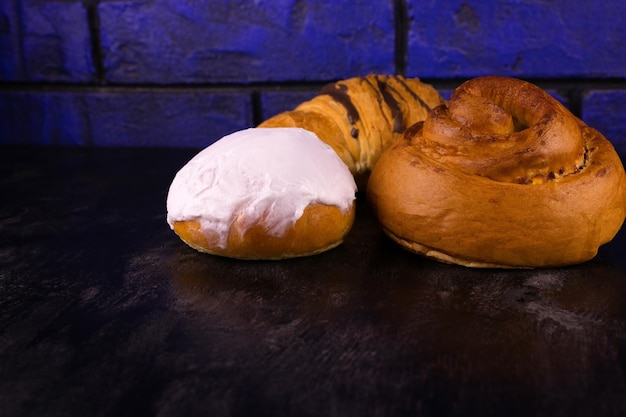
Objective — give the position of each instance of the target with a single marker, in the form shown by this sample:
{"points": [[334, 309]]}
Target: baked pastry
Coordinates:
{"points": [[278, 191], [362, 116], [503, 176], [263, 194]]}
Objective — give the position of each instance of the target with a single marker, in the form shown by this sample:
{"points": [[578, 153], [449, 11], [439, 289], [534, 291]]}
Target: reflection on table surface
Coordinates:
{"points": [[106, 312]]}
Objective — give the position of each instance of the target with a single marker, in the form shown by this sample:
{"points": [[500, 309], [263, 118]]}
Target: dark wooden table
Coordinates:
{"points": [[105, 312]]}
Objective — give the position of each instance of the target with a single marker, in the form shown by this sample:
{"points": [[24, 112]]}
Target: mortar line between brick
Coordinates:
{"points": [[244, 88], [566, 85], [257, 108], [94, 35], [401, 36], [575, 101]]}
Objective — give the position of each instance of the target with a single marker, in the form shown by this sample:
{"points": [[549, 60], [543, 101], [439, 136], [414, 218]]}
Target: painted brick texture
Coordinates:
{"points": [[122, 118], [185, 73], [539, 39], [604, 110], [45, 41], [10, 64], [218, 41]]}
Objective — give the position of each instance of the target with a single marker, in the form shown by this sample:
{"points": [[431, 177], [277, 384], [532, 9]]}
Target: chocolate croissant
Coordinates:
{"points": [[361, 117], [503, 176]]}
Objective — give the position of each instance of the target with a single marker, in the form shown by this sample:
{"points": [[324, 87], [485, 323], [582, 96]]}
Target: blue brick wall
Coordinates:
{"points": [[238, 41], [539, 39], [186, 72]]}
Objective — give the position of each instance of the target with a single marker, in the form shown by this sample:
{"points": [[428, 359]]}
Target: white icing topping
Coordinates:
{"points": [[278, 171]]}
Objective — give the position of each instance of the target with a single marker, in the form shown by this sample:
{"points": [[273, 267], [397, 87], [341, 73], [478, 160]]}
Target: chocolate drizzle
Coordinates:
{"points": [[394, 106], [339, 93], [414, 94]]}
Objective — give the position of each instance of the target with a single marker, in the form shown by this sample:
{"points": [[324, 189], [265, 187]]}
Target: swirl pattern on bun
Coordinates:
{"points": [[502, 176]]}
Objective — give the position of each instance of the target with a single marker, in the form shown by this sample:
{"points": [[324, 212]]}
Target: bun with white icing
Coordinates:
{"points": [[271, 193]]}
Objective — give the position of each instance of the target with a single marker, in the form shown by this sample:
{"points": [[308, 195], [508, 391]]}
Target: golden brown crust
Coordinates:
{"points": [[362, 116], [320, 228], [358, 118], [549, 193]]}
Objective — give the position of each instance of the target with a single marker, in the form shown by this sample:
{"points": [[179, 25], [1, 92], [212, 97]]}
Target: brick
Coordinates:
{"points": [[10, 64], [42, 119], [185, 119], [148, 118], [604, 111], [274, 102], [170, 41], [526, 39], [56, 42]]}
